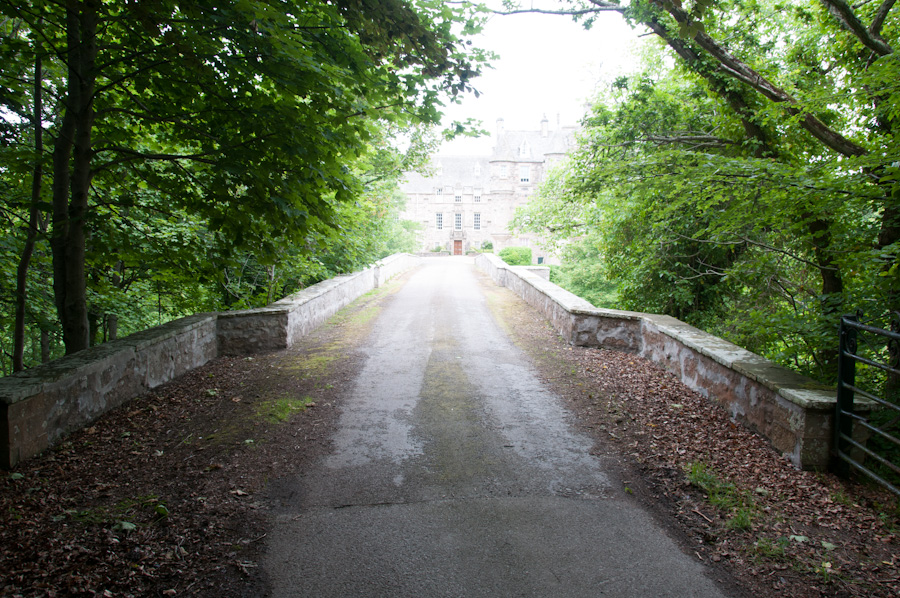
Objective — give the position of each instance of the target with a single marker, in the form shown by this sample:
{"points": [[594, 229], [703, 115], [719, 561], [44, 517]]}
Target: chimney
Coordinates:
{"points": [[544, 126], [499, 127]]}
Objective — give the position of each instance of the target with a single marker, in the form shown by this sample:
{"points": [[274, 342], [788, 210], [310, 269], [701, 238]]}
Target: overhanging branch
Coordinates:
{"points": [[849, 21], [740, 70]]}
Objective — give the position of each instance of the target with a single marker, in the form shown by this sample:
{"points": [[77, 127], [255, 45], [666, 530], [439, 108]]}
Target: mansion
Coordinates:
{"points": [[468, 201]]}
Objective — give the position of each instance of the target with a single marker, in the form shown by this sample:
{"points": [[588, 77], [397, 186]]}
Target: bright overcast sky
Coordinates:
{"points": [[547, 65]]}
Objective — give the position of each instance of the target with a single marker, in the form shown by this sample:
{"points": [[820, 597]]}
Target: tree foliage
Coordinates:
{"points": [[750, 187], [516, 256], [209, 154], [582, 273]]}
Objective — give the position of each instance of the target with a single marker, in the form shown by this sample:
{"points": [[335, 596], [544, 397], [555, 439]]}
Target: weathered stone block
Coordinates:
{"points": [[42, 404]]}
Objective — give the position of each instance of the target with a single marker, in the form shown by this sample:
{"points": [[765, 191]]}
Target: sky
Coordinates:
{"points": [[547, 65]]}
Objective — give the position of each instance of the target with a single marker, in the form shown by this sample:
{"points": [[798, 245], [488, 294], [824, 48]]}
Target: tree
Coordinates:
{"points": [[732, 182], [246, 116], [582, 272]]}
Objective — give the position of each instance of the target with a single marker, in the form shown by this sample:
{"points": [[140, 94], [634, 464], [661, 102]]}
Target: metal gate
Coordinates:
{"points": [[869, 367]]}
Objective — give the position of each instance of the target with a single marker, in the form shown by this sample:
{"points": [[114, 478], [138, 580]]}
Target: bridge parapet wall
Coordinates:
{"points": [[41, 405], [394, 265], [792, 411], [281, 324]]}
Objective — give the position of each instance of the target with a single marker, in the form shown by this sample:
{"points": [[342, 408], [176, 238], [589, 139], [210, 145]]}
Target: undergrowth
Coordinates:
{"points": [[737, 504]]}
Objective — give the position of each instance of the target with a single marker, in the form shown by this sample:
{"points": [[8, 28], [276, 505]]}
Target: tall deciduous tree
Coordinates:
{"points": [[245, 115], [755, 164]]}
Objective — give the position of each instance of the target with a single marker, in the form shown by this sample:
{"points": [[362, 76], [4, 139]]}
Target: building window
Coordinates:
{"points": [[524, 173], [477, 197], [477, 221], [503, 171], [457, 221], [439, 221], [457, 198]]}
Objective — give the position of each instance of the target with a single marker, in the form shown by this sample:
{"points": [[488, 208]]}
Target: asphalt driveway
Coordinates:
{"points": [[456, 472]]}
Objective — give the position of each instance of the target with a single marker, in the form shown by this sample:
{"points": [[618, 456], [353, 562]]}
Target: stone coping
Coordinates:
{"points": [[793, 386], [542, 272], [315, 291], [290, 302], [24, 384]]}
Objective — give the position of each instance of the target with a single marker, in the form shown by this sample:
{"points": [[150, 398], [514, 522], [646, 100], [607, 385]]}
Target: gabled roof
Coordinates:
{"points": [[475, 171], [532, 146], [451, 171]]}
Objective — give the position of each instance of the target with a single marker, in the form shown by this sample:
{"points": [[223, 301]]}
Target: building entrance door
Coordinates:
{"points": [[457, 247]]}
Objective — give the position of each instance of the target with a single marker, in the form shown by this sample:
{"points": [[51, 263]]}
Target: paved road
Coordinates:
{"points": [[456, 473]]}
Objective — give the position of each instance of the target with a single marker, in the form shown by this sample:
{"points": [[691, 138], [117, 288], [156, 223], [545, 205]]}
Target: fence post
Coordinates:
{"points": [[843, 425]]}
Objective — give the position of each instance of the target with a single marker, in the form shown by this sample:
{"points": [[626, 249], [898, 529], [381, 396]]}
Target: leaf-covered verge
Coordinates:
{"points": [[154, 499], [795, 533]]}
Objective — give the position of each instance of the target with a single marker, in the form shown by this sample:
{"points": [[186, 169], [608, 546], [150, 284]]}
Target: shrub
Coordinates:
{"points": [[516, 256]]}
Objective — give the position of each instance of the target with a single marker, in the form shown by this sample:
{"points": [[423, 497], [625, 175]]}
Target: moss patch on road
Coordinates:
{"points": [[283, 408], [449, 411]]}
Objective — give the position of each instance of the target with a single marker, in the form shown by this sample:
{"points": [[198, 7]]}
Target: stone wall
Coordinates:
{"points": [[540, 271], [394, 265], [792, 411], [41, 405], [280, 325]]}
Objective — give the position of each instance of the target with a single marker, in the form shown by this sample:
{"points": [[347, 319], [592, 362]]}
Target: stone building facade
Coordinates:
{"points": [[468, 201]]}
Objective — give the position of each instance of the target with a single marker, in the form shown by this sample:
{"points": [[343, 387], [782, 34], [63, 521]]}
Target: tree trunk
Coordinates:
{"points": [[112, 320], [832, 302], [890, 234], [33, 216], [71, 182], [94, 327], [112, 323]]}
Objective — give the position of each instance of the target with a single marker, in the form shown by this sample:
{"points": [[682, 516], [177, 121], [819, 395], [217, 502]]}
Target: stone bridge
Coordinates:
{"points": [[41, 405]]}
